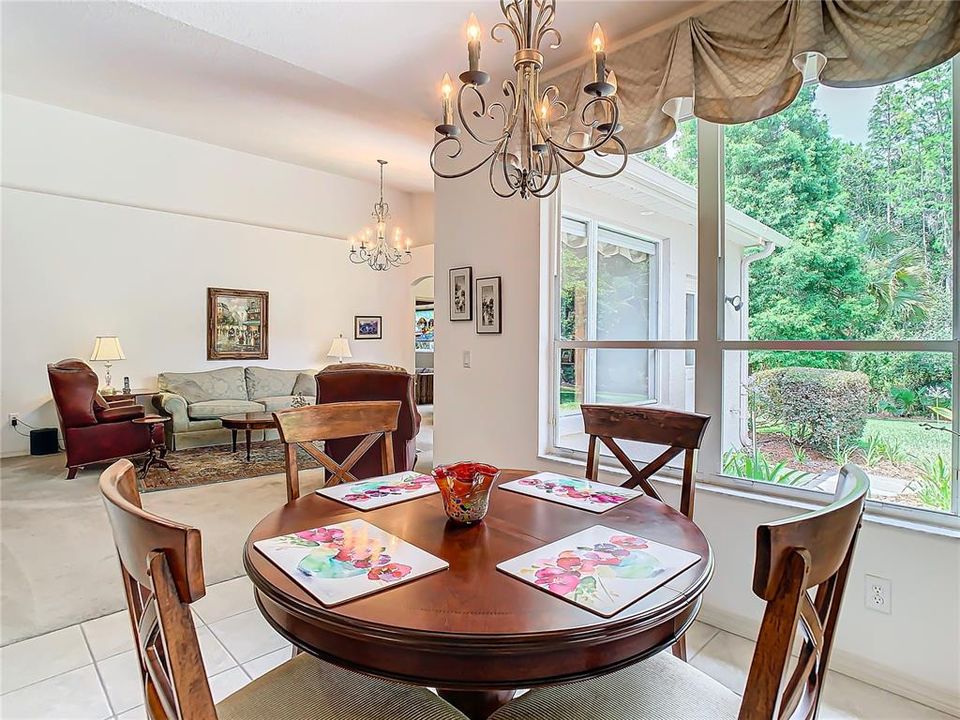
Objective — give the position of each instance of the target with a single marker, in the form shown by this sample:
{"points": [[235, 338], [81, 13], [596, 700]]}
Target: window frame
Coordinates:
{"points": [[710, 345]]}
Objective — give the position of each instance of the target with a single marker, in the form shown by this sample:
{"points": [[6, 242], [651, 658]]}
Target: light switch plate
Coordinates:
{"points": [[466, 358]]}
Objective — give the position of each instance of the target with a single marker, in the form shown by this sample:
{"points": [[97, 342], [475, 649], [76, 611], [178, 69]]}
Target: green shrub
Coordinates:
{"points": [[814, 406], [755, 466]]}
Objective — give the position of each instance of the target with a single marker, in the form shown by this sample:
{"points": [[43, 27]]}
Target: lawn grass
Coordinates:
{"points": [[914, 440]]}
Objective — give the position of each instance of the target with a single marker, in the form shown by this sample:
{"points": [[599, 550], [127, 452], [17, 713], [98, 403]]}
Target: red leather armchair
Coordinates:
{"points": [[357, 382], [95, 430]]}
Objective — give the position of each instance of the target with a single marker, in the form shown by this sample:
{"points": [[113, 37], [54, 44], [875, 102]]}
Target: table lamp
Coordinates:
{"points": [[340, 349], [107, 349]]}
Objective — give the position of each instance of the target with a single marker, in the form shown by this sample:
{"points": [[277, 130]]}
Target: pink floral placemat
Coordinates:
{"points": [[342, 562], [381, 491], [583, 494], [600, 569]]}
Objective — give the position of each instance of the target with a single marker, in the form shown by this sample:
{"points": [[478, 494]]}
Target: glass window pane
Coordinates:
{"points": [[839, 215], [626, 288], [793, 418], [619, 377], [573, 280]]}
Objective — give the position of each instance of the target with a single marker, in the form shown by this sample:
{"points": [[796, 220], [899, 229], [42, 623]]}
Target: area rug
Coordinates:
{"points": [[216, 464]]}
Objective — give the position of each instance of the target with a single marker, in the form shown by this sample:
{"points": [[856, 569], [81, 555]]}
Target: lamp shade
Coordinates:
{"points": [[340, 348], [107, 347]]}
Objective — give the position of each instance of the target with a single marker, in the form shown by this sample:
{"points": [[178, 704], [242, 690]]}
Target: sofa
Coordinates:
{"points": [[196, 401]]}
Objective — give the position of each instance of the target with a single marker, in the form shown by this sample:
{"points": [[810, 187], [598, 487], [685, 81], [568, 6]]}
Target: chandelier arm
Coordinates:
{"points": [[479, 114], [551, 96], [512, 182], [452, 176], [600, 99], [544, 172], [550, 188]]}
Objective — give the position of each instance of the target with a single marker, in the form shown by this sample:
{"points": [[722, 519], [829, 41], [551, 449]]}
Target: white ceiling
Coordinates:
{"points": [[329, 85]]}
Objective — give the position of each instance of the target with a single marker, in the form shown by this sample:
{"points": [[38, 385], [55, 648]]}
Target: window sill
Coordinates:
{"points": [[940, 525]]}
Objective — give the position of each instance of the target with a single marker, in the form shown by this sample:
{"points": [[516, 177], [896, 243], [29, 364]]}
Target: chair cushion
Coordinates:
{"points": [[221, 384], [309, 689], [306, 384], [218, 408], [281, 402], [267, 382], [661, 688]]}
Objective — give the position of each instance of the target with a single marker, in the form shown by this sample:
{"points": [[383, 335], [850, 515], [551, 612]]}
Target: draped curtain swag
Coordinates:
{"points": [[746, 59]]}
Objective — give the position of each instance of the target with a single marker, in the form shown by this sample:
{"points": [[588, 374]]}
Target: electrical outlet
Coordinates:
{"points": [[878, 594], [13, 419]]}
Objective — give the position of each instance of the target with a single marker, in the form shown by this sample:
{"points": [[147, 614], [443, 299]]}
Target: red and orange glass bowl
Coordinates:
{"points": [[465, 487]]}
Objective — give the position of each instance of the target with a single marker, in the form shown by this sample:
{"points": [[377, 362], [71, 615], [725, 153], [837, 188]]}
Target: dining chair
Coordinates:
{"points": [[366, 422], [809, 552], [162, 570], [680, 431]]}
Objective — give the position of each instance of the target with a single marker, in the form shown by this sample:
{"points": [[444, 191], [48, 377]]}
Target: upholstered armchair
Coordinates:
{"points": [[95, 430], [356, 382]]}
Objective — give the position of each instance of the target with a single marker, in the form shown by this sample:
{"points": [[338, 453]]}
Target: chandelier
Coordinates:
{"points": [[531, 150], [377, 252]]}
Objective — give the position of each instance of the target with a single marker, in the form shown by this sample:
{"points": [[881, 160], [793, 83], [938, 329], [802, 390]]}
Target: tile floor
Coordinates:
{"points": [[88, 671]]}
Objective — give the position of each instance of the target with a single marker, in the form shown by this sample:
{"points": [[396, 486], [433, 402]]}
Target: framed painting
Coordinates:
{"points": [[237, 324], [461, 294], [367, 327], [489, 306]]}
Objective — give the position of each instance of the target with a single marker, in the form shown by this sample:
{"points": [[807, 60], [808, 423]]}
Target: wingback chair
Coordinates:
{"points": [[95, 430], [357, 382]]}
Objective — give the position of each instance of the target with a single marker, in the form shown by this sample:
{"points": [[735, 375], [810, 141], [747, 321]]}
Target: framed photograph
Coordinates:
{"points": [[237, 323], [461, 294], [367, 327], [489, 306]]}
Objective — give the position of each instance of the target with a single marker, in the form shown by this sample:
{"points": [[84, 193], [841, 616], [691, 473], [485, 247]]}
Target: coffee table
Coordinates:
{"points": [[248, 422]]}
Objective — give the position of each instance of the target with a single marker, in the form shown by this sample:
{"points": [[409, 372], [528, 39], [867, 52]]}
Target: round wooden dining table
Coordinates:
{"points": [[471, 631]]}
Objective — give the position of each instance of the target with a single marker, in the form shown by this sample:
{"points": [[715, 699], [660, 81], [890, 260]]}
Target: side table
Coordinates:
{"points": [[153, 457]]}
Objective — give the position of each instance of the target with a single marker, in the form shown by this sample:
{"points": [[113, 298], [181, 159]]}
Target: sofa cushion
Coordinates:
{"points": [[267, 382], [220, 384], [281, 402], [218, 408], [306, 384]]}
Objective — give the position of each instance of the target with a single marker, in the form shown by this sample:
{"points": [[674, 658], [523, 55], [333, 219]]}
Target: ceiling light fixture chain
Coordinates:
{"points": [[378, 253], [527, 157]]}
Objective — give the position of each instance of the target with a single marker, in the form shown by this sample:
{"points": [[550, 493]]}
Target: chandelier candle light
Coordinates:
{"points": [[528, 156], [378, 253]]}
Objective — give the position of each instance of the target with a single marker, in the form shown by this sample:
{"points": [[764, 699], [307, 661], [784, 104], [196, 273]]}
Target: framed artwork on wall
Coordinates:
{"points": [[489, 306], [237, 324], [461, 294], [367, 327]]}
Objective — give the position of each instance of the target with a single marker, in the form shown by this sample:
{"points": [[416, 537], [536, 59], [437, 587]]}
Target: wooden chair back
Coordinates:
{"points": [[811, 552], [680, 431], [368, 422], [162, 571]]}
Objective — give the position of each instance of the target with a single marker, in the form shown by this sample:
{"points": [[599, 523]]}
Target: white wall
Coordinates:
{"points": [[162, 219], [490, 412]]}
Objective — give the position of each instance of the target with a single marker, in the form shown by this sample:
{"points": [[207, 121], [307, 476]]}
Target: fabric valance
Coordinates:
{"points": [[746, 59]]}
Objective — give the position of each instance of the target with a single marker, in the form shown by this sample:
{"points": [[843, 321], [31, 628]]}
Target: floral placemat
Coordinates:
{"points": [[600, 569], [342, 562], [381, 491], [584, 494]]}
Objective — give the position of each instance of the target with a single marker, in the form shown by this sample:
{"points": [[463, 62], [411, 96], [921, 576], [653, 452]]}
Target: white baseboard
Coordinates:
{"points": [[849, 664]]}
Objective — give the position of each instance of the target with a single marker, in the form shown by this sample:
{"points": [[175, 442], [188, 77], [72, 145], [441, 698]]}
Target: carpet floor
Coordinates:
{"points": [[58, 564], [217, 464]]}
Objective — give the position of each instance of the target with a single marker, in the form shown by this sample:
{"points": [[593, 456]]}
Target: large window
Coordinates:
{"points": [[821, 319]]}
